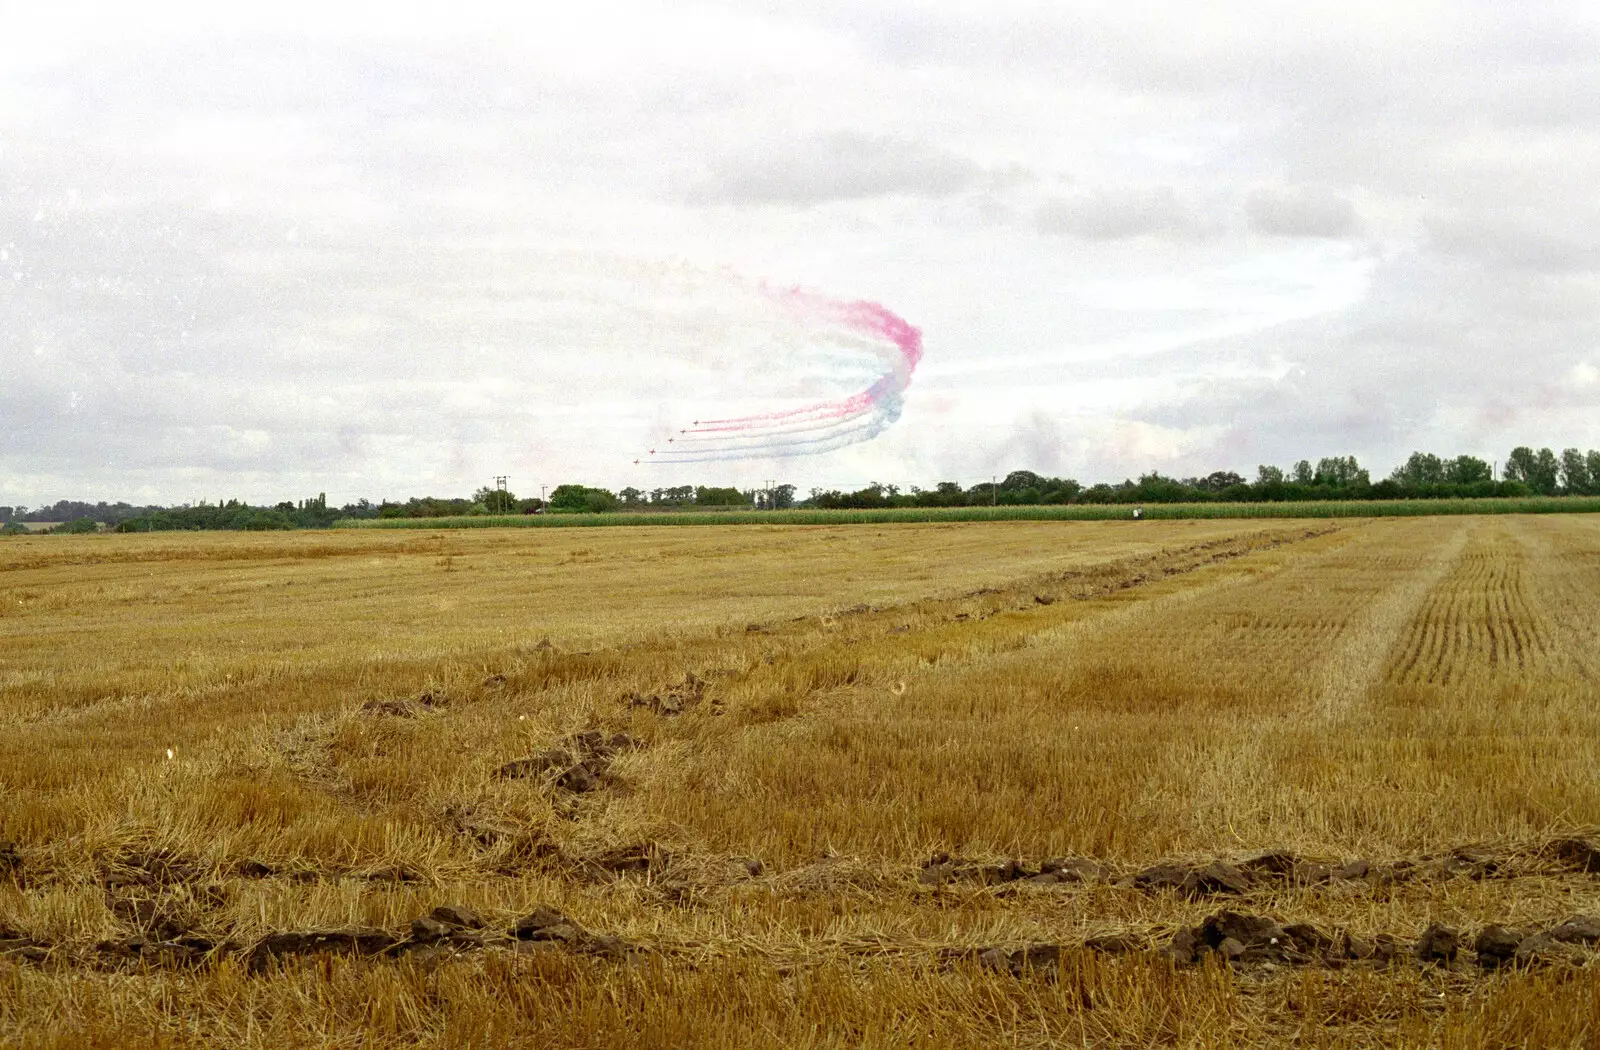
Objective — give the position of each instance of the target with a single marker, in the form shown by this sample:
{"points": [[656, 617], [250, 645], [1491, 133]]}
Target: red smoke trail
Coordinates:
{"points": [[824, 425]]}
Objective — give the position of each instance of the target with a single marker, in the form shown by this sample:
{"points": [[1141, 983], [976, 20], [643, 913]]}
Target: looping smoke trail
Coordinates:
{"points": [[820, 427]]}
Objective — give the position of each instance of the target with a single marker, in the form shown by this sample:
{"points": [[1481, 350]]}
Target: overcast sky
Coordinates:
{"points": [[389, 250]]}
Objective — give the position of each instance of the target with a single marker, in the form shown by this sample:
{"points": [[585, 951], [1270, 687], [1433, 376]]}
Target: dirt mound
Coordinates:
{"points": [[675, 700], [1242, 938], [11, 863], [405, 707], [642, 859], [1273, 869], [1577, 853], [545, 925], [580, 763]]}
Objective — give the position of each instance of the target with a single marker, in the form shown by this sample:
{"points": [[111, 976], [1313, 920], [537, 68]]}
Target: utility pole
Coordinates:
{"points": [[994, 489], [500, 482]]}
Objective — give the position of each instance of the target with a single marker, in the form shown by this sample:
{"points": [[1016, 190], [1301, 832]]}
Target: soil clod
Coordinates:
{"points": [[403, 707], [1353, 871], [580, 763], [1580, 929], [1215, 878], [1495, 946], [624, 860], [359, 940], [1072, 869], [1577, 853], [458, 916], [425, 928], [675, 701], [10, 861], [395, 873], [1438, 944], [1116, 943]]}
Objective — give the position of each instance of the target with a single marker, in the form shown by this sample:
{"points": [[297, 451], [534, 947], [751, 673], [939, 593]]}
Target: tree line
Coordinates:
{"points": [[230, 515], [1423, 475]]}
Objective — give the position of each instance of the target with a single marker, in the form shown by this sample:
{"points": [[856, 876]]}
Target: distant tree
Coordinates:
{"points": [[982, 493], [78, 526], [1155, 487], [568, 497], [599, 501], [1422, 468], [1592, 460], [1548, 477], [631, 496], [782, 497], [707, 496], [825, 499], [674, 496], [1522, 465], [1467, 470], [1340, 472], [13, 528], [1575, 477], [582, 498], [1218, 480], [1061, 490], [1266, 475], [1540, 470], [872, 494], [1018, 480], [495, 501], [1303, 474], [5, 514]]}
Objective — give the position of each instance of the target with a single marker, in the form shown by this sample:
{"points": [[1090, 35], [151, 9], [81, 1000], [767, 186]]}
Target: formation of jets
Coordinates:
{"points": [[685, 430]]}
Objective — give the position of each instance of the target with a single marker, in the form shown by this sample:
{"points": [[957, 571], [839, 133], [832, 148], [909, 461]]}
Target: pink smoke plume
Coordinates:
{"points": [[824, 425]]}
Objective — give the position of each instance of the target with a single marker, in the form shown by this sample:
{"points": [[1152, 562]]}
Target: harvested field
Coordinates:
{"points": [[1196, 783]]}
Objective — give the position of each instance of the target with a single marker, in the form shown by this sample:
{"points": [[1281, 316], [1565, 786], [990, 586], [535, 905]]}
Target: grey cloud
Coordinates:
{"points": [[1530, 242], [1300, 212], [1109, 215], [841, 165], [1431, 360]]}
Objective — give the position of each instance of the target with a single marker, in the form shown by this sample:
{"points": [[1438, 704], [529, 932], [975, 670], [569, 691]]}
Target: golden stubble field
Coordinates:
{"points": [[1203, 783]]}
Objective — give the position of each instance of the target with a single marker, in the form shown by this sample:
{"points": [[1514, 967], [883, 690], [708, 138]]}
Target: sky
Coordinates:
{"points": [[383, 250]]}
